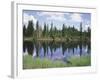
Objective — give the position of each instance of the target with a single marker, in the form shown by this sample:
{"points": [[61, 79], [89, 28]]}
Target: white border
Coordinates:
{"points": [[17, 70]]}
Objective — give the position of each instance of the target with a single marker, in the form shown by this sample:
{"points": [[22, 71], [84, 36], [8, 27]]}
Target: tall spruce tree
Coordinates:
{"points": [[37, 29], [24, 31], [30, 29], [44, 30], [89, 32], [51, 30], [63, 30]]}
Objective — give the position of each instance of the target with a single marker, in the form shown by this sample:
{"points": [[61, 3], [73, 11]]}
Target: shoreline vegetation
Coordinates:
{"points": [[51, 33], [35, 63], [57, 39], [35, 33]]}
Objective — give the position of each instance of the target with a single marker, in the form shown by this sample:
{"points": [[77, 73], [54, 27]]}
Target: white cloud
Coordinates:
{"points": [[50, 14], [86, 27], [43, 13], [58, 18], [53, 16], [86, 24], [28, 18], [76, 17]]}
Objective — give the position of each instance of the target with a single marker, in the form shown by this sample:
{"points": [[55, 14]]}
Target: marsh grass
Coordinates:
{"points": [[80, 61], [31, 63]]}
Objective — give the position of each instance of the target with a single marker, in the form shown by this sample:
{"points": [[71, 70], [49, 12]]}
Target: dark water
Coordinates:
{"points": [[56, 50]]}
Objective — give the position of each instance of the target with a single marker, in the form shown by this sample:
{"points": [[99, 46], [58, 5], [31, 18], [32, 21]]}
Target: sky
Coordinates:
{"points": [[57, 18]]}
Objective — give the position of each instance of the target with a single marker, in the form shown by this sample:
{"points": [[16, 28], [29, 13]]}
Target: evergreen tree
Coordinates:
{"points": [[63, 30], [30, 29], [81, 31], [51, 30], [89, 32], [44, 30], [37, 29], [55, 31], [47, 30], [24, 30]]}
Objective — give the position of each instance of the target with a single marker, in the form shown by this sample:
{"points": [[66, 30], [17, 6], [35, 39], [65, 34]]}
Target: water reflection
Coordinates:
{"points": [[56, 50]]}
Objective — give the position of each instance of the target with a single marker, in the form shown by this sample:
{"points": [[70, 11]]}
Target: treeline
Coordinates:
{"points": [[50, 32]]}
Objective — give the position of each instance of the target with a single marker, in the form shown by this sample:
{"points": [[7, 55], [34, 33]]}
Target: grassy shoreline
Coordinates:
{"points": [[56, 39], [30, 63]]}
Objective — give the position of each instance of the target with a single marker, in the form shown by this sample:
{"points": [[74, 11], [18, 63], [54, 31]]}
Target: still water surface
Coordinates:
{"points": [[56, 50]]}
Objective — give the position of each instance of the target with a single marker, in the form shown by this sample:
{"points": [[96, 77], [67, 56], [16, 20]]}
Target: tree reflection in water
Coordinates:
{"points": [[51, 48]]}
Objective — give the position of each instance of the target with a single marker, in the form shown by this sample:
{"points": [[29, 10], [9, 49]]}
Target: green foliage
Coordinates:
{"points": [[30, 63], [67, 33], [63, 30], [89, 32], [51, 30], [30, 29], [80, 31], [24, 31], [37, 29], [45, 29], [80, 61]]}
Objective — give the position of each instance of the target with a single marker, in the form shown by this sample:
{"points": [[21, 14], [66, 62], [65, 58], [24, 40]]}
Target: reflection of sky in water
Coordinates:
{"points": [[59, 53]]}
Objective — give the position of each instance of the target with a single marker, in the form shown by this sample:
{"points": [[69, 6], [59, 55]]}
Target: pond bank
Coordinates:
{"points": [[31, 63], [56, 39]]}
